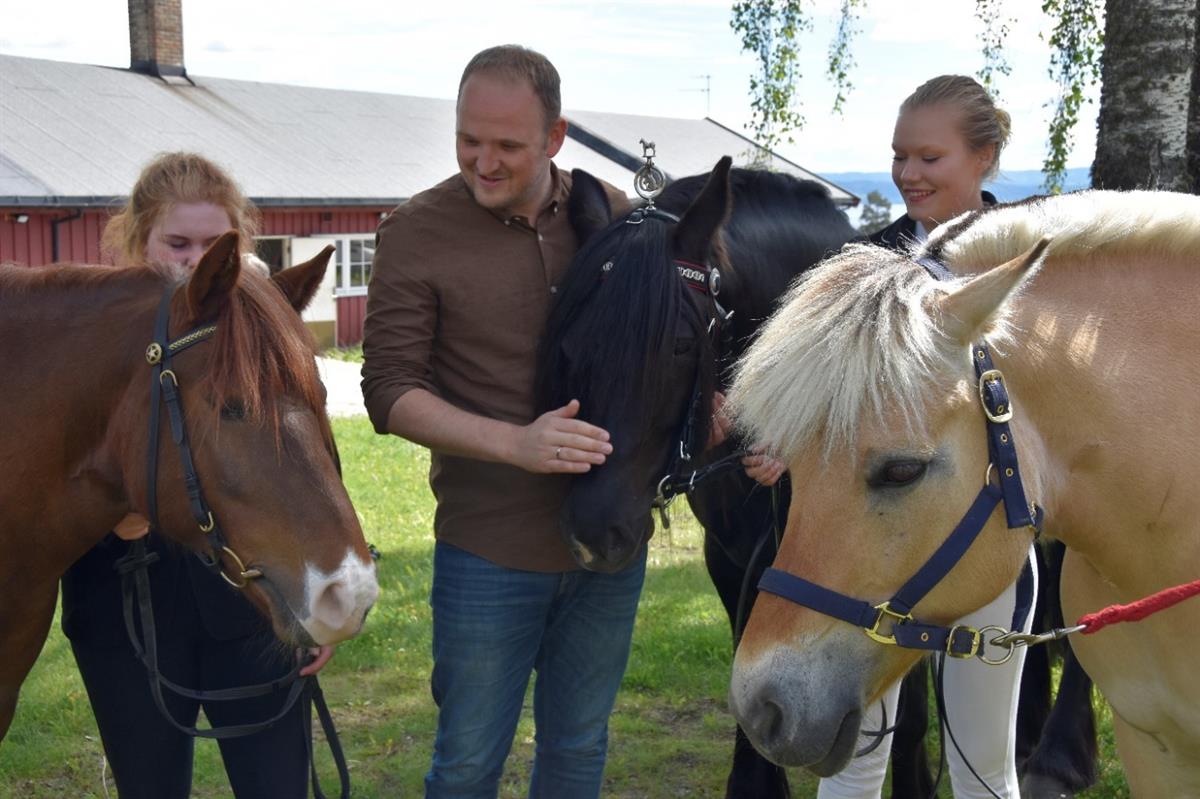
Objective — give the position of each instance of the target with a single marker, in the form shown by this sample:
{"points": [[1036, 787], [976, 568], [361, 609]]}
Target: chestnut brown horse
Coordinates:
{"points": [[75, 436], [863, 381]]}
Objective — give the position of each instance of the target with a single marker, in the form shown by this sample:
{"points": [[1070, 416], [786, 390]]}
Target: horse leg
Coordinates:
{"points": [[1065, 758], [751, 774], [22, 634], [911, 778]]}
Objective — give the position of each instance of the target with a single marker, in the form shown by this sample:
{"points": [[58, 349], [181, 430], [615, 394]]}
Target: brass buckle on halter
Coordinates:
{"points": [[976, 641], [244, 574], [897, 618], [1004, 412]]}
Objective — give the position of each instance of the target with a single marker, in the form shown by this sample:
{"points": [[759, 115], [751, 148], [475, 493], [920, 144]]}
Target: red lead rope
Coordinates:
{"points": [[1136, 611]]}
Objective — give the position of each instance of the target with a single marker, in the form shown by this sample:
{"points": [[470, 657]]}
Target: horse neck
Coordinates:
{"points": [[1102, 368], [72, 350]]}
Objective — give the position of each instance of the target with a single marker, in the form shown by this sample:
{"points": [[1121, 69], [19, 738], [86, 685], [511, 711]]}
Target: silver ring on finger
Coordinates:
{"points": [[558, 453]]}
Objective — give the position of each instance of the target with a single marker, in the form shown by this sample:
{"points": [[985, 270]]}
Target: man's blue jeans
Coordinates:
{"points": [[492, 626]]}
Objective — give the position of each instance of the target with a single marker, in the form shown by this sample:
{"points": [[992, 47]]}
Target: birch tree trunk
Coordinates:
{"points": [[1149, 127]]}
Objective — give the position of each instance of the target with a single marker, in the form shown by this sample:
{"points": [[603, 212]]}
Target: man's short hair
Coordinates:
{"points": [[519, 63]]}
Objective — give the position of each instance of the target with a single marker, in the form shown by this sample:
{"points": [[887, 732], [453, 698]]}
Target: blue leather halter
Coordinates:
{"points": [[959, 641]]}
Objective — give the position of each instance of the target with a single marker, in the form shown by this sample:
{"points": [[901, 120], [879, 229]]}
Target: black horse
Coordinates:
{"points": [[638, 336], [628, 341]]}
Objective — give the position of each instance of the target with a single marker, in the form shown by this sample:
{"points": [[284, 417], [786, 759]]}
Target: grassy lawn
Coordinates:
{"points": [[671, 733]]}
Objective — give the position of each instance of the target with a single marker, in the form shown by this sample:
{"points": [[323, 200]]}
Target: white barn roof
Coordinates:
{"points": [[75, 134]]}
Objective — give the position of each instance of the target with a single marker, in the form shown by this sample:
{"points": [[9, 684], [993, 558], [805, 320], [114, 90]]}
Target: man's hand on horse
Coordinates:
{"points": [[132, 527], [558, 442]]}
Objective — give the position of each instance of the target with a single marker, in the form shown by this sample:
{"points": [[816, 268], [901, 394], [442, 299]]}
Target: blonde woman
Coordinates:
{"points": [[946, 143], [209, 635]]}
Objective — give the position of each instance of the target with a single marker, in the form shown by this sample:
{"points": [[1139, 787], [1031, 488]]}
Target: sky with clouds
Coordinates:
{"points": [[651, 57]]}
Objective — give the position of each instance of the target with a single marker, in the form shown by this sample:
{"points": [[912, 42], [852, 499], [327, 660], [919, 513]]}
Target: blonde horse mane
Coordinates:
{"points": [[852, 335], [1115, 222], [858, 333]]}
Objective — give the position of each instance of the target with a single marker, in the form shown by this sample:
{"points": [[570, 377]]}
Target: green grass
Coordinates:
{"points": [[671, 734], [353, 354]]}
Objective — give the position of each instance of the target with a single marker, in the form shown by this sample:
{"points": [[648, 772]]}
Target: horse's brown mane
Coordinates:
{"points": [[14, 277], [261, 350]]}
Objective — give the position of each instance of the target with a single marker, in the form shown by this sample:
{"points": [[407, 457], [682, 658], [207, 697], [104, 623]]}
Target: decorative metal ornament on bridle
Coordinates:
{"points": [[649, 181]]}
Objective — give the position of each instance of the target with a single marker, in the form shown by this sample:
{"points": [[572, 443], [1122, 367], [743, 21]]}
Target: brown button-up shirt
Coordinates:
{"points": [[457, 302]]}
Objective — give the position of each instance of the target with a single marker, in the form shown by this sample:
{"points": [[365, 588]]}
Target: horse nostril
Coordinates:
{"points": [[334, 605], [771, 723]]}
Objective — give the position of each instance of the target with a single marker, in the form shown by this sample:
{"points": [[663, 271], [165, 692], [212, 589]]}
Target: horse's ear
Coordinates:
{"points": [[214, 277], [698, 228], [587, 207], [966, 312], [300, 282]]}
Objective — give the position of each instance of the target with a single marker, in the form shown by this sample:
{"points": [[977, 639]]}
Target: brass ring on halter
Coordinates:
{"points": [[166, 372], [244, 574], [208, 528], [1001, 640], [987, 478]]}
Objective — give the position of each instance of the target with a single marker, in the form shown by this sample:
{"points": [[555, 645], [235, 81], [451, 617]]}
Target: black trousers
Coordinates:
{"points": [[150, 759]]}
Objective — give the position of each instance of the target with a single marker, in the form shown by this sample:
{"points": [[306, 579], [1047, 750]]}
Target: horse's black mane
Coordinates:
{"points": [[624, 318]]}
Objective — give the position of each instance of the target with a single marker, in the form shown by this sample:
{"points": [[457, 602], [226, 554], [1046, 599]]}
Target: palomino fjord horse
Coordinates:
{"points": [[864, 381], [630, 338], [79, 356]]}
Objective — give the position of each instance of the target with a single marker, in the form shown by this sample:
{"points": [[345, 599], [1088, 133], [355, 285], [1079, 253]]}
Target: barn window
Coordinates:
{"points": [[353, 257]]}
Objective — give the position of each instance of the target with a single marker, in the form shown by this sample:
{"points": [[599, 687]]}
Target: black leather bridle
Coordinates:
{"points": [[164, 389], [135, 583], [704, 279]]}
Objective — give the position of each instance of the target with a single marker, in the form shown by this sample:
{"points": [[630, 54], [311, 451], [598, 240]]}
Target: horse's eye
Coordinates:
{"points": [[899, 473], [684, 345], [232, 410]]}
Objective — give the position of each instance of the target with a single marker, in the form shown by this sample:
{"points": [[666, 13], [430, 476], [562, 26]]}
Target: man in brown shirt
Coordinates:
{"points": [[464, 275]]}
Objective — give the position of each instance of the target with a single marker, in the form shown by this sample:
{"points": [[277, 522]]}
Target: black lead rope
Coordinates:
{"points": [[135, 586], [135, 583], [946, 732]]}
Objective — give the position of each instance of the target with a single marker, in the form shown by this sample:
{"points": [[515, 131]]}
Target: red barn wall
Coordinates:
{"points": [[31, 243]]}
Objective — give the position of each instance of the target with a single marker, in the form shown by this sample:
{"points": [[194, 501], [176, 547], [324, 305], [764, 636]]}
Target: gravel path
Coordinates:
{"points": [[341, 379]]}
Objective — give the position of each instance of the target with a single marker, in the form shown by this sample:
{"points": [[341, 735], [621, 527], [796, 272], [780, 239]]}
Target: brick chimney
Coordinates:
{"points": [[156, 38]]}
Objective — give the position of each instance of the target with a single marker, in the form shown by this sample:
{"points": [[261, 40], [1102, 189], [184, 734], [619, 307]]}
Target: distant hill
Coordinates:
{"points": [[1011, 185]]}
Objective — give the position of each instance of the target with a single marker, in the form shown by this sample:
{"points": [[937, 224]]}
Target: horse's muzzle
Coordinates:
{"points": [[794, 717]]}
